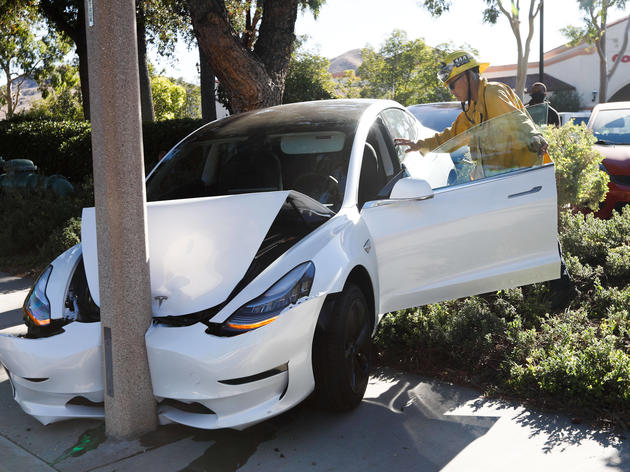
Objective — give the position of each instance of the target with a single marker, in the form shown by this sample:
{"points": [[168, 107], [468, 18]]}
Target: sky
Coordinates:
{"points": [[343, 25]]}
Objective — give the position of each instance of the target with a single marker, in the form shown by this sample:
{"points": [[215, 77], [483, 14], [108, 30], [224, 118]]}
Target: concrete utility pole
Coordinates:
{"points": [[119, 194]]}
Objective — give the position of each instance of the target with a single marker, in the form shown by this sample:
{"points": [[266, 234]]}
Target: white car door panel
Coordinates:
{"points": [[468, 239]]}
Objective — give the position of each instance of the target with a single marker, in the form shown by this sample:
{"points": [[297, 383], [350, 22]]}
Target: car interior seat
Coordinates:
{"points": [[251, 172]]}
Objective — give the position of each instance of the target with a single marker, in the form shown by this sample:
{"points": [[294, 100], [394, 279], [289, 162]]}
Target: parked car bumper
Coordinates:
{"points": [[617, 197]]}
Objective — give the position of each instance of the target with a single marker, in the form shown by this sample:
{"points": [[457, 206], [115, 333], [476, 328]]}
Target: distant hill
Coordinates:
{"points": [[28, 94], [350, 60]]}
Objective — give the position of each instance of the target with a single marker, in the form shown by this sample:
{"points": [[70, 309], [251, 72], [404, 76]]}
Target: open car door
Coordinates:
{"points": [[493, 227]]}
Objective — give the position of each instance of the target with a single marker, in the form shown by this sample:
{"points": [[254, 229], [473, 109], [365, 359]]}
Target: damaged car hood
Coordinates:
{"points": [[199, 249]]}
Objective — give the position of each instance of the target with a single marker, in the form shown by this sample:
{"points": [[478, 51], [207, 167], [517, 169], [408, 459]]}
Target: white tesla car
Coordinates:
{"points": [[277, 240]]}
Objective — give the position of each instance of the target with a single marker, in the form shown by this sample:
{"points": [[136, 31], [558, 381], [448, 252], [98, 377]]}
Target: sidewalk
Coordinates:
{"points": [[405, 423]]}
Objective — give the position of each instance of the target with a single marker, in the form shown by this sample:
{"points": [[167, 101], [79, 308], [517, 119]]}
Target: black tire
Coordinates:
{"points": [[341, 350]]}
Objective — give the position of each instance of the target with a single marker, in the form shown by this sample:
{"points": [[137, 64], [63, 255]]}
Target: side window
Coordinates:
{"points": [[400, 125], [380, 167], [507, 143]]}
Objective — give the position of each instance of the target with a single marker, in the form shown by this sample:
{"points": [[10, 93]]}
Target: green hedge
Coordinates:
{"points": [[161, 136], [38, 226], [65, 147]]}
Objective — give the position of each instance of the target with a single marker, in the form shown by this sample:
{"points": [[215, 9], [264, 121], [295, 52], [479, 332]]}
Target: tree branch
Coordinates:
{"points": [[276, 35], [241, 73]]}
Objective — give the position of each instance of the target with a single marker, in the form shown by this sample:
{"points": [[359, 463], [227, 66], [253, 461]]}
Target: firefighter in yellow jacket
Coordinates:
{"points": [[481, 101]]}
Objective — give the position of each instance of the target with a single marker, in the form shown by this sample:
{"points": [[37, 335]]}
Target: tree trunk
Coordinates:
{"points": [[74, 28], [7, 95], [206, 81], [603, 68], [521, 67], [146, 97], [523, 55], [83, 76], [251, 79]]}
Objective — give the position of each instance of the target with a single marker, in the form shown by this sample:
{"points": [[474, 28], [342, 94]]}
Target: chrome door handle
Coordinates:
{"points": [[528, 192]]}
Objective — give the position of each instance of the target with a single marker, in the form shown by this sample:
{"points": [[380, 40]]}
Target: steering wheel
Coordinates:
{"points": [[323, 188]]}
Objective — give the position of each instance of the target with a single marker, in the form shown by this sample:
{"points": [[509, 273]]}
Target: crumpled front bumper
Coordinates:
{"points": [[238, 380], [199, 379], [59, 377]]}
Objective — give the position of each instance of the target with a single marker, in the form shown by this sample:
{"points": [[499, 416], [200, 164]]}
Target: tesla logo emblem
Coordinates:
{"points": [[160, 299], [367, 246]]}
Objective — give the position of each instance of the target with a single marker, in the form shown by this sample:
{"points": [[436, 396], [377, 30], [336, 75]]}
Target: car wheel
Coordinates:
{"points": [[341, 351]]}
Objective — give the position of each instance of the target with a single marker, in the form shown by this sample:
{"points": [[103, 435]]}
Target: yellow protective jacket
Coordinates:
{"points": [[508, 149]]}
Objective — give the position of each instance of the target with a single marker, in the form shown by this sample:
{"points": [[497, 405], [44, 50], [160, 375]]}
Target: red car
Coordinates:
{"points": [[610, 123]]}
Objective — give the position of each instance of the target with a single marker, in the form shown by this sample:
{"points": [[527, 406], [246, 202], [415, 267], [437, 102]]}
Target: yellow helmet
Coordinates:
{"points": [[456, 63]]}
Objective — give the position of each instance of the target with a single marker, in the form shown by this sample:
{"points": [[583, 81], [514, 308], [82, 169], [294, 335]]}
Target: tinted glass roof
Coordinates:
{"points": [[323, 114]]}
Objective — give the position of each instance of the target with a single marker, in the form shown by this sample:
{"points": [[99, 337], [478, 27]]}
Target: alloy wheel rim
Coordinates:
{"points": [[356, 346]]}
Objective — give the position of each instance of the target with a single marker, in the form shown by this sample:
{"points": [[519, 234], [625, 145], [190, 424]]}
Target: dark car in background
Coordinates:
{"points": [[610, 124], [438, 115]]}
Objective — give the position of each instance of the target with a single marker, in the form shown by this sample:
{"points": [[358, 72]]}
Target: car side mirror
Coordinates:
{"points": [[411, 189], [407, 189]]}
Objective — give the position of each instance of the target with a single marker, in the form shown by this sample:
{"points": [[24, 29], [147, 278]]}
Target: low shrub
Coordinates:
{"points": [[160, 136], [61, 239], [42, 141], [39, 224], [596, 242], [460, 334], [579, 181], [566, 100], [585, 364], [65, 147]]}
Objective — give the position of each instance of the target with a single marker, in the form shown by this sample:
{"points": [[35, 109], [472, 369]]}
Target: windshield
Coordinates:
{"points": [[503, 144], [314, 163], [612, 126]]}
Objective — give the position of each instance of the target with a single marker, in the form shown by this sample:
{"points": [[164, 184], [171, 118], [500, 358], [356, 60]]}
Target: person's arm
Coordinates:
{"points": [[499, 101], [429, 144]]}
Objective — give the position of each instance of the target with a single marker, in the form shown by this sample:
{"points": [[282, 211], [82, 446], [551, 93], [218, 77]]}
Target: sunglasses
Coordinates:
{"points": [[452, 84]]}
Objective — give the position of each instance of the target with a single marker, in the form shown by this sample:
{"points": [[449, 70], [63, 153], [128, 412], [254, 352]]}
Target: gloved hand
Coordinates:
{"points": [[538, 144]]}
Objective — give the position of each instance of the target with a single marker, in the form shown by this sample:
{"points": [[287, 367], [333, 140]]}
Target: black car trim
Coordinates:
{"points": [[260, 376]]}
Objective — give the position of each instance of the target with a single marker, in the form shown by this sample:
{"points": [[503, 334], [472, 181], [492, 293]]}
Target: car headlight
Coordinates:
{"points": [[36, 306], [264, 309], [602, 167]]}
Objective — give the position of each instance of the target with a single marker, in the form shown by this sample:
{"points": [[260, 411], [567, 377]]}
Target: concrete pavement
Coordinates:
{"points": [[405, 423]]}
